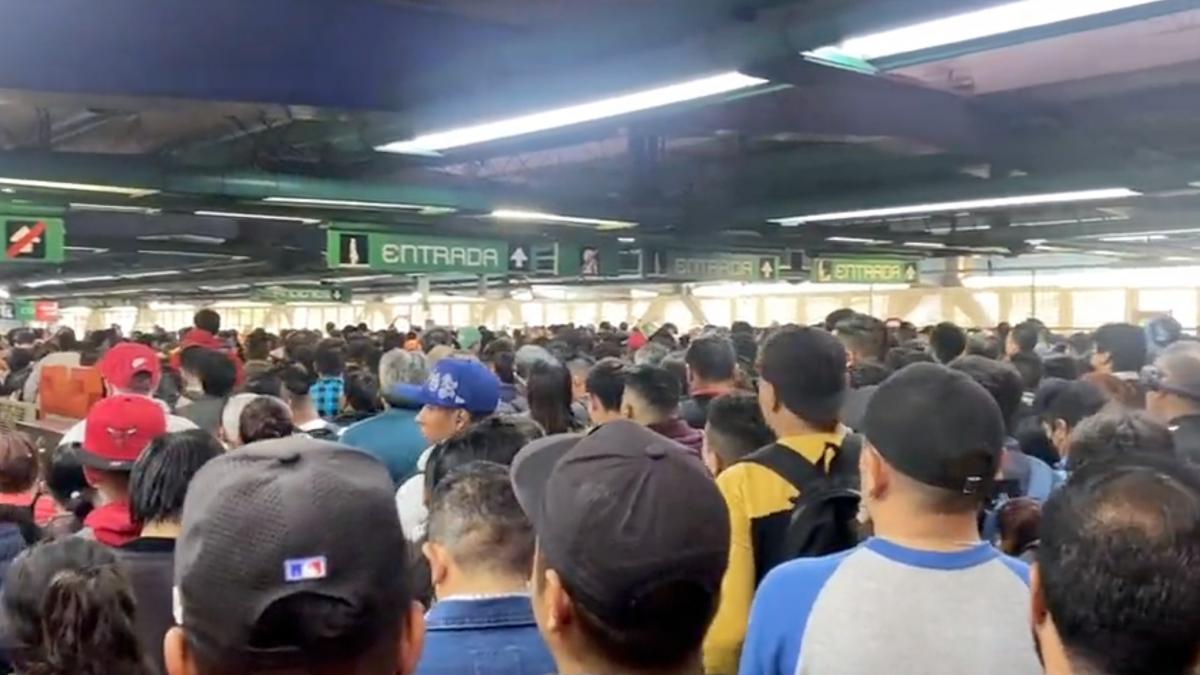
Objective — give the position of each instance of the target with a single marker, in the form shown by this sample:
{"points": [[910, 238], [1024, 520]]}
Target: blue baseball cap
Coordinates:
{"points": [[464, 384]]}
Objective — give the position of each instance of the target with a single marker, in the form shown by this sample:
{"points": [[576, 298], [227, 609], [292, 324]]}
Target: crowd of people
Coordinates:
{"points": [[860, 496]]}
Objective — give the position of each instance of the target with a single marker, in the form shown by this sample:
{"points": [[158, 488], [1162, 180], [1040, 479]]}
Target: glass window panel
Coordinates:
{"points": [[1095, 308], [718, 311], [1177, 302]]}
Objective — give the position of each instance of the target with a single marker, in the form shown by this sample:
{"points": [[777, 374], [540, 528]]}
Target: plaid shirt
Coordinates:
{"points": [[327, 394]]}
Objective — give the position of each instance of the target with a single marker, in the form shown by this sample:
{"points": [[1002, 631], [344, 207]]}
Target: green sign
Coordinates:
{"points": [[302, 294], [25, 310], [33, 239], [404, 253], [865, 271], [717, 266], [595, 259]]}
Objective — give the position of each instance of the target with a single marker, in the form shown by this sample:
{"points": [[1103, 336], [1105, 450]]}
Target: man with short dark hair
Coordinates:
{"points": [[329, 391], [651, 399], [953, 603], [711, 372], [319, 590], [495, 439], [480, 551], [1173, 395], [800, 393], [1023, 338], [207, 320], [864, 336], [948, 342], [215, 375], [735, 429], [1120, 350], [605, 385], [1116, 588], [1064, 406], [632, 541], [1030, 476], [1116, 433]]}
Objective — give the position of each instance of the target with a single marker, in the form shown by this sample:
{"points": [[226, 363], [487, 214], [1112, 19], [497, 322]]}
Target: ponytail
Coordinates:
{"points": [[87, 625]]}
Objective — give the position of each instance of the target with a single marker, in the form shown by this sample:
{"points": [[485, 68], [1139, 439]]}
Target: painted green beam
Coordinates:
{"points": [[137, 172]]}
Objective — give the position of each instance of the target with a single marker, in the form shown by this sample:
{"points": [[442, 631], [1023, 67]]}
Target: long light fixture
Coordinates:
{"points": [[540, 217], [115, 208], [1006, 18], [575, 114], [857, 240], [424, 209], [257, 216], [924, 244], [964, 205], [78, 187]]}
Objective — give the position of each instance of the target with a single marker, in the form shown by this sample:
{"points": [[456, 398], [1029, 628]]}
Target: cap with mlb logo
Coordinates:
{"points": [[278, 524]]}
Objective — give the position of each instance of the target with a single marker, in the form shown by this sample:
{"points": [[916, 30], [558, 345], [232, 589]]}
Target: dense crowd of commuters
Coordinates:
{"points": [[860, 496]]}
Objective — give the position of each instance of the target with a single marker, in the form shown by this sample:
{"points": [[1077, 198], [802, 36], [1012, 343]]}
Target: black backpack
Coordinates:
{"points": [[824, 516]]}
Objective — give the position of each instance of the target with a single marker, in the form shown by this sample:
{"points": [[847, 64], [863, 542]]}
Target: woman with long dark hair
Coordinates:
{"points": [[71, 612], [548, 390]]}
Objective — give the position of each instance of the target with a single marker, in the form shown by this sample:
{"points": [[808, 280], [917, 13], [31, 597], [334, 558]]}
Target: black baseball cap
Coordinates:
{"points": [[937, 426], [288, 520], [621, 512]]}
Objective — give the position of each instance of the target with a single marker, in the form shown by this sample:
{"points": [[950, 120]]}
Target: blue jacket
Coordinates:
{"points": [[487, 636], [393, 438]]}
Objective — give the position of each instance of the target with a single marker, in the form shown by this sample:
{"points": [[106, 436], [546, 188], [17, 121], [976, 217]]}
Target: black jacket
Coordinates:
{"points": [[149, 563], [1186, 431]]}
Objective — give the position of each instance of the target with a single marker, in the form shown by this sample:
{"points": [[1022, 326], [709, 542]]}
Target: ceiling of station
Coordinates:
{"points": [[291, 98]]}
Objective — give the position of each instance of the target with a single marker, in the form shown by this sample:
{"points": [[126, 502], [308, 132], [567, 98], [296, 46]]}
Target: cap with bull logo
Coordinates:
{"points": [[118, 429]]}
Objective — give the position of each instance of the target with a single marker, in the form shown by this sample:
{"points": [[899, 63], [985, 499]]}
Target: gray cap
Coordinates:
{"points": [[620, 512], [286, 519]]}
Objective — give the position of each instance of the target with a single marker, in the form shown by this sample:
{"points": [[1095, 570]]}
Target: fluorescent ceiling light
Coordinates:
{"points": [[44, 283], [257, 216], [1006, 18], [348, 280], [1134, 238], [538, 216], [1113, 254], [960, 228], [86, 249], [148, 275], [964, 205], [7, 190], [626, 240], [857, 240], [924, 244], [1178, 258], [116, 208], [423, 209], [79, 187], [193, 254], [575, 114]]}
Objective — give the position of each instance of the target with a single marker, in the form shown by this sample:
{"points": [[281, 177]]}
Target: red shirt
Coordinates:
{"points": [[44, 508]]}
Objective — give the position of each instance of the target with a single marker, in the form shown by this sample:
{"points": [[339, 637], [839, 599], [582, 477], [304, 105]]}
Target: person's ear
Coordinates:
{"points": [[766, 397], [874, 472], [439, 560], [176, 654], [1038, 610], [412, 640], [556, 603]]}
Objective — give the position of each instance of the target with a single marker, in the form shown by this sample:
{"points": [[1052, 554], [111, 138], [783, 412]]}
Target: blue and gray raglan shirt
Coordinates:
{"points": [[884, 608]]}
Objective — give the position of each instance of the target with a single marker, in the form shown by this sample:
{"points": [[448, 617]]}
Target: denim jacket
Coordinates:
{"points": [[485, 636]]}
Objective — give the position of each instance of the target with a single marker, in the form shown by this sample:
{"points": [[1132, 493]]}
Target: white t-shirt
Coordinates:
{"points": [[410, 501]]}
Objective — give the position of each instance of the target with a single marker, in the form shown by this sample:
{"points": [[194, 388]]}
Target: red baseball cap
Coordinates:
{"points": [[123, 361], [118, 429]]}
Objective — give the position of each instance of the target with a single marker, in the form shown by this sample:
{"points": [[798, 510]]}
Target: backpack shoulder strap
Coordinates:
{"points": [[788, 464], [846, 459]]}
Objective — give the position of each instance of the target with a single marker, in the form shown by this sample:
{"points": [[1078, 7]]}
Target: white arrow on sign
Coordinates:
{"points": [[519, 258], [768, 270], [336, 294], [21, 234], [910, 272]]}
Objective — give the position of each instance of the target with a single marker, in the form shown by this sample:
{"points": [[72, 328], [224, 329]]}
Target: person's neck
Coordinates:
{"points": [[786, 424], [1180, 410], [657, 420], [481, 584], [925, 531], [304, 413], [714, 387], [107, 494], [162, 529], [589, 664]]}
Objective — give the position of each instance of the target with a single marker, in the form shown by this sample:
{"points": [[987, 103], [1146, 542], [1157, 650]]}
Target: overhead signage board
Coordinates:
{"points": [[865, 271], [302, 294], [45, 311], [32, 239], [589, 259], [711, 265], [413, 254]]}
